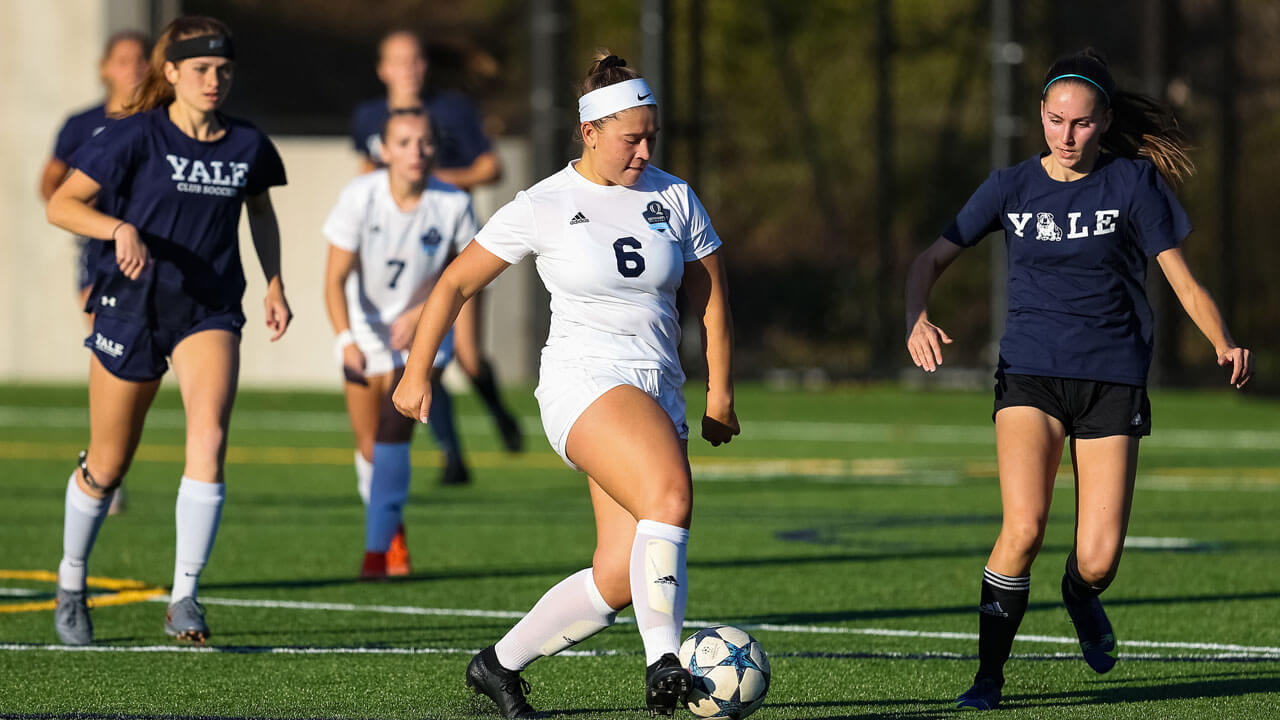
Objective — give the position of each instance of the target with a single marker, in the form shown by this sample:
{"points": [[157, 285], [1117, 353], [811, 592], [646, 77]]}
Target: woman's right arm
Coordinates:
{"points": [[339, 265], [466, 275], [71, 208], [924, 339]]}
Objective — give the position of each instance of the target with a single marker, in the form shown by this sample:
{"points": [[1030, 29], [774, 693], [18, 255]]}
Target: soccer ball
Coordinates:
{"points": [[730, 672]]}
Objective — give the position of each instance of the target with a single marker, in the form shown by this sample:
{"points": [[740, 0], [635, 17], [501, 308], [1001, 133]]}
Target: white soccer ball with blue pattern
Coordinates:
{"points": [[730, 672]]}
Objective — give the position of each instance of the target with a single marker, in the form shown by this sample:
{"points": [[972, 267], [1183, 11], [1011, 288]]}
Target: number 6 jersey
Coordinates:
{"points": [[401, 253], [612, 258]]}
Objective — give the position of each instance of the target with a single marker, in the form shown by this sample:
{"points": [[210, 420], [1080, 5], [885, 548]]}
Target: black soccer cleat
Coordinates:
{"points": [[1097, 639], [509, 429], [667, 682], [486, 676], [455, 472], [984, 695]]}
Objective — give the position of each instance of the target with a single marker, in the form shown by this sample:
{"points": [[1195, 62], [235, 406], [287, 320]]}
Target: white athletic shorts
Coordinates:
{"points": [[380, 359], [566, 389]]}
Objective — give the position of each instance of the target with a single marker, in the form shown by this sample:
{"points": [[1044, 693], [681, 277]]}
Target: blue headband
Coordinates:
{"points": [[1081, 77]]}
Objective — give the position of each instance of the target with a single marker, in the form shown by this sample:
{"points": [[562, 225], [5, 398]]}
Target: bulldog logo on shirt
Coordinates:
{"points": [[1046, 229]]}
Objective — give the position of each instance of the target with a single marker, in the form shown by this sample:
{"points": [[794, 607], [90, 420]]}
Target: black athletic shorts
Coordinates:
{"points": [[1086, 408]]}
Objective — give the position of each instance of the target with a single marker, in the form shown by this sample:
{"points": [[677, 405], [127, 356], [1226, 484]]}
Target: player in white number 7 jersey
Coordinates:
{"points": [[390, 235], [614, 239]]}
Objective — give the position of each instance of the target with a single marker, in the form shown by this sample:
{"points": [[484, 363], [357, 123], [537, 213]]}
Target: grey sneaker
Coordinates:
{"points": [[71, 618], [185, 621]]}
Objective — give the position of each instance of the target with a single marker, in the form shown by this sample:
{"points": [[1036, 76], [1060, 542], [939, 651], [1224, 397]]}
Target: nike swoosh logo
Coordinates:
{"points": [[642, 97]]}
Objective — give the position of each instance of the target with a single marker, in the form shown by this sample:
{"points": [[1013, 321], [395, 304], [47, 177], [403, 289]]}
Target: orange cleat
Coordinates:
{"points": [[374, 567], [398, 555]]}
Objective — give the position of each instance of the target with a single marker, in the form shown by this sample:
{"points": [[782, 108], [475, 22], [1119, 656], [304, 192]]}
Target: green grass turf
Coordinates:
{"points": [[880, 518]]}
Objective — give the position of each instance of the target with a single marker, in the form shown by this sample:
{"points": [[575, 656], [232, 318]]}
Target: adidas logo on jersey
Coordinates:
{"points": [[578, 219]]}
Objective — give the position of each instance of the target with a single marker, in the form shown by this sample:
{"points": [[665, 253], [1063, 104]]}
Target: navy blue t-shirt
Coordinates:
{"points": [[455, 126], [184, 196], [1077, 255], [78, 129]]}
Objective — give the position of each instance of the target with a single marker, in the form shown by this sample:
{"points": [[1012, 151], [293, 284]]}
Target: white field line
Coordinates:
{"points": [[835, 432], [769, 627], [269, 650]]}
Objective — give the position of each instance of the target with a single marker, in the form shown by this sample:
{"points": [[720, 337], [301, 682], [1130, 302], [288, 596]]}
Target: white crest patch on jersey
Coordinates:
{"points": [[1046, 229]]}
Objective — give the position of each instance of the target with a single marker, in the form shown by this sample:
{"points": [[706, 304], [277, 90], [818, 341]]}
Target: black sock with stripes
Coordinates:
{"points": [[1074, 587], [1004, 602]]}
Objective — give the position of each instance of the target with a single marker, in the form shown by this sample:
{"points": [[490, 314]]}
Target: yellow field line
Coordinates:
{"points": [[126, 591]]}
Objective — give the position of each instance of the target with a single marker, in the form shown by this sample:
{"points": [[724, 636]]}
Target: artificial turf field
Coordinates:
{"points": [[846, 529]]}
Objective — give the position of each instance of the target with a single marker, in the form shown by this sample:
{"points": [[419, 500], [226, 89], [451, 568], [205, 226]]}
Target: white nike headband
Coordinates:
{"points": [[614, 98]]}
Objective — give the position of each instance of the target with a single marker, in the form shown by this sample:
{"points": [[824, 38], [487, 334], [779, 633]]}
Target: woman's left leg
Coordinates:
{"points": [[1105, 470], [207, 365]]}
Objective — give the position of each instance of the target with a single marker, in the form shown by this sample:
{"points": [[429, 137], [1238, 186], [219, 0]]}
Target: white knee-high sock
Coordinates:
{"points": [[388, 493], [196, 514], [364, 477], [82, 519], [567, 614], [659, 586]]}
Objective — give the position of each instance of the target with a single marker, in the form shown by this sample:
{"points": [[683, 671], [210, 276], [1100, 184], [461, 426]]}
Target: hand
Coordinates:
{"points": [[404, 328], [131, 253], [1241, 362], [412, 396], [277, 310], [353, 364], [925, 345], [720, 423]]}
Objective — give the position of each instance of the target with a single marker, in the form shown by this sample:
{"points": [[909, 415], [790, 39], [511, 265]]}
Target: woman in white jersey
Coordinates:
{"points": [[614, 239], [391, 233]]}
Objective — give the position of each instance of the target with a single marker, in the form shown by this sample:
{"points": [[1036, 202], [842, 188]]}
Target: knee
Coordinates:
{"points": [[1097, 567], [208, 440], [1023, 537], [101, 473], [669, 500]]}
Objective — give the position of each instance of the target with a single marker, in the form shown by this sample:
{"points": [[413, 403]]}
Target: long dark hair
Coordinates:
{"points": [[1141, 126]]}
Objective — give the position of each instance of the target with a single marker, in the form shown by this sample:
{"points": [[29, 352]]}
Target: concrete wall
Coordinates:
{"points": [[48, 60]]}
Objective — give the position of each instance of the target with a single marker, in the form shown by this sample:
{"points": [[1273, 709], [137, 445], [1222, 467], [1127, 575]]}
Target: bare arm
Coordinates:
{"points": [[1204, 313], [486, 168], [707, 290], [54, 172], [470, 272], [338, 266], [266, 241], [72, 208], [924, 339]]}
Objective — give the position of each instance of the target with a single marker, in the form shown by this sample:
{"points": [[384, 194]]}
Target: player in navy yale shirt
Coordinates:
{"points": [[167, 284], [1080, 223], [122, 67]]}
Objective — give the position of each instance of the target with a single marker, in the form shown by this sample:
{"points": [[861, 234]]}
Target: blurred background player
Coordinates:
{"points": [[464, 158], [391, 233], [122, 67], [1080, 222], [168, 284], [614, 239]]}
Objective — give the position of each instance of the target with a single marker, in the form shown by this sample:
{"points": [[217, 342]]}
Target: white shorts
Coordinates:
{"points": [[381, 360], [565, 390]]}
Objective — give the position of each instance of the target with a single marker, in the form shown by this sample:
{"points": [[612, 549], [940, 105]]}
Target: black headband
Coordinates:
{"points": [[201, 46], [1086, 68]]}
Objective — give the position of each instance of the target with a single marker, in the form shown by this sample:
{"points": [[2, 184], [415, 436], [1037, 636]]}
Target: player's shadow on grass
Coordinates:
{"points": [[862, 709], [968, 609], [1138, 690]]}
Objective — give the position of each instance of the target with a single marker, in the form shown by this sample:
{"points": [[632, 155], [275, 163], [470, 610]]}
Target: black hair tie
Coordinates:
{"points": [[612, 61]]}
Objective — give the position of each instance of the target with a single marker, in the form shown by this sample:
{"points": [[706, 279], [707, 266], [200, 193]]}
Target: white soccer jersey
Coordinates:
{"points": [[612, 258], [401, 253]]}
